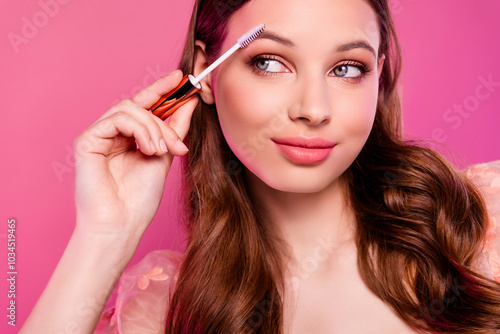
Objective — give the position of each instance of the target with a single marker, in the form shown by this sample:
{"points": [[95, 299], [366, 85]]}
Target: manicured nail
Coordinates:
{"points": [[163, 146], [180, 145], [153, 148]]}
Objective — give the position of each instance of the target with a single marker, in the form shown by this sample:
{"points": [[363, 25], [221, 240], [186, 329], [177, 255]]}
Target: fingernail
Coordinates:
{"points": [[163, 145], [153, 148], [180, 145], [173, 72]]}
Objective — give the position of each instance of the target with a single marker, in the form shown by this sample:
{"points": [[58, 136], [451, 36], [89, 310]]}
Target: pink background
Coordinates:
{"points": [[84, 56]]}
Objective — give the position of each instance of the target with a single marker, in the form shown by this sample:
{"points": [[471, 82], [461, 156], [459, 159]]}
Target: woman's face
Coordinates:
{"points": [[297, 105]]}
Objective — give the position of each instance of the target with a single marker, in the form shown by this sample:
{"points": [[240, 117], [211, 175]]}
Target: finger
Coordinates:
{"points": [[171, 136], [156, 129], [103, 134], [148, 96], [181, 119], [163, 137]]}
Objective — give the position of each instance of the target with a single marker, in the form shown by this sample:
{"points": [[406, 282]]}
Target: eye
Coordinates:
{"points": [[268, 65], [347, 71]]}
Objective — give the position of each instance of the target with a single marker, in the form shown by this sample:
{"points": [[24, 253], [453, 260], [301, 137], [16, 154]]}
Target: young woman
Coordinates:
{"points": [[305, 210]]}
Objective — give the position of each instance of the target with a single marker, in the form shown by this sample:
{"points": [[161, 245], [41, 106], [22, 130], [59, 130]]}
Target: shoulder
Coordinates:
{"points": [[487, 177], [144, 291]]}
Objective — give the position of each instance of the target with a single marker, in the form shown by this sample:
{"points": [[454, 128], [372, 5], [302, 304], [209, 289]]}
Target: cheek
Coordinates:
{"points": [[248, 112], [356, 114]]}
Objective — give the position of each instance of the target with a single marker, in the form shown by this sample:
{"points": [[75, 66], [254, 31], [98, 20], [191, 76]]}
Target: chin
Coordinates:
{"points": [[300, 183]]}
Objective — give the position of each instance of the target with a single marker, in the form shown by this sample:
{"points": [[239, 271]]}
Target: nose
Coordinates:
{"points": [[311, 102]]}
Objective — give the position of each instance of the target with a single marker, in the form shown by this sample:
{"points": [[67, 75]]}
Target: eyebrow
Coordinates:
{"points": [[358, 44], [274, 37]]}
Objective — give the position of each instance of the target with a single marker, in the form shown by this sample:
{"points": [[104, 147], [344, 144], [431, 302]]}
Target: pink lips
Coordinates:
{"points": [[303, 150]]}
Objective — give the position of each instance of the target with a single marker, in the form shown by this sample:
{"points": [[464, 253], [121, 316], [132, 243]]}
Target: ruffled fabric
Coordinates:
{"points": [[144, 289], [487, 177]]}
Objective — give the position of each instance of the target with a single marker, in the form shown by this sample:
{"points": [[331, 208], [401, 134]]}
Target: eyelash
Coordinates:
{"points": [[362, 67]]}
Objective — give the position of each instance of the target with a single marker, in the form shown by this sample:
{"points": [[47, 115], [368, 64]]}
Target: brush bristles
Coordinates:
{"points": [[250, 36]]}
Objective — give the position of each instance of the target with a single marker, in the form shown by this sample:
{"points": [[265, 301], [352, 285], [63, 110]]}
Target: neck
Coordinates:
{"points": [[316, 226]]}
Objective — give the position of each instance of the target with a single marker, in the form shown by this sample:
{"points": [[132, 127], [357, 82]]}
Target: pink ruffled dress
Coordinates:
{"points": [[144, 288]]}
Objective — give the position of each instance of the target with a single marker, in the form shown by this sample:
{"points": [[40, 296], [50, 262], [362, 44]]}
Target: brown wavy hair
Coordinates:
{"points": [[420, 222]]}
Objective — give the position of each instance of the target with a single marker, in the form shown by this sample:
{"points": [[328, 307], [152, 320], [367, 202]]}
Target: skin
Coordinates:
{"points": [[118, 186], [305, 96]]}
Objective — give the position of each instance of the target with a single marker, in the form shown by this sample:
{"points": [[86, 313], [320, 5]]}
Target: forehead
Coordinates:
{"points": [[310, 23]]}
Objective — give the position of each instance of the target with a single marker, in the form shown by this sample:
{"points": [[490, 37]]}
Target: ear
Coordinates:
{"points": [[200, 64], [380, 65]]}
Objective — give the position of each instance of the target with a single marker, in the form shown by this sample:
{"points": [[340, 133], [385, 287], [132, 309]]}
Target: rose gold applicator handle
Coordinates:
{"points": [[173, 100]]}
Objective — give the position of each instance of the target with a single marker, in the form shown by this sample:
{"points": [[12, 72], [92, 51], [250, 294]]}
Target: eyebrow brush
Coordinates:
{"points": [[190, 85]]}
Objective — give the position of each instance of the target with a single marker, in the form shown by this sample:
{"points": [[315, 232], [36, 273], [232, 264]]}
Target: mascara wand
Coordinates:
{"points": [[189, 85]]}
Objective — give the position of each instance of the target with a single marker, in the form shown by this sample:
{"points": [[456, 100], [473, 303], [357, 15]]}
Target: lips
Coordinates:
{"points": [[305, 142], [304, 150]]}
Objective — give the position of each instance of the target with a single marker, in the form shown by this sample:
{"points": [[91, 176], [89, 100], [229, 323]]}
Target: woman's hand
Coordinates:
{"points": [[118, 187]]}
